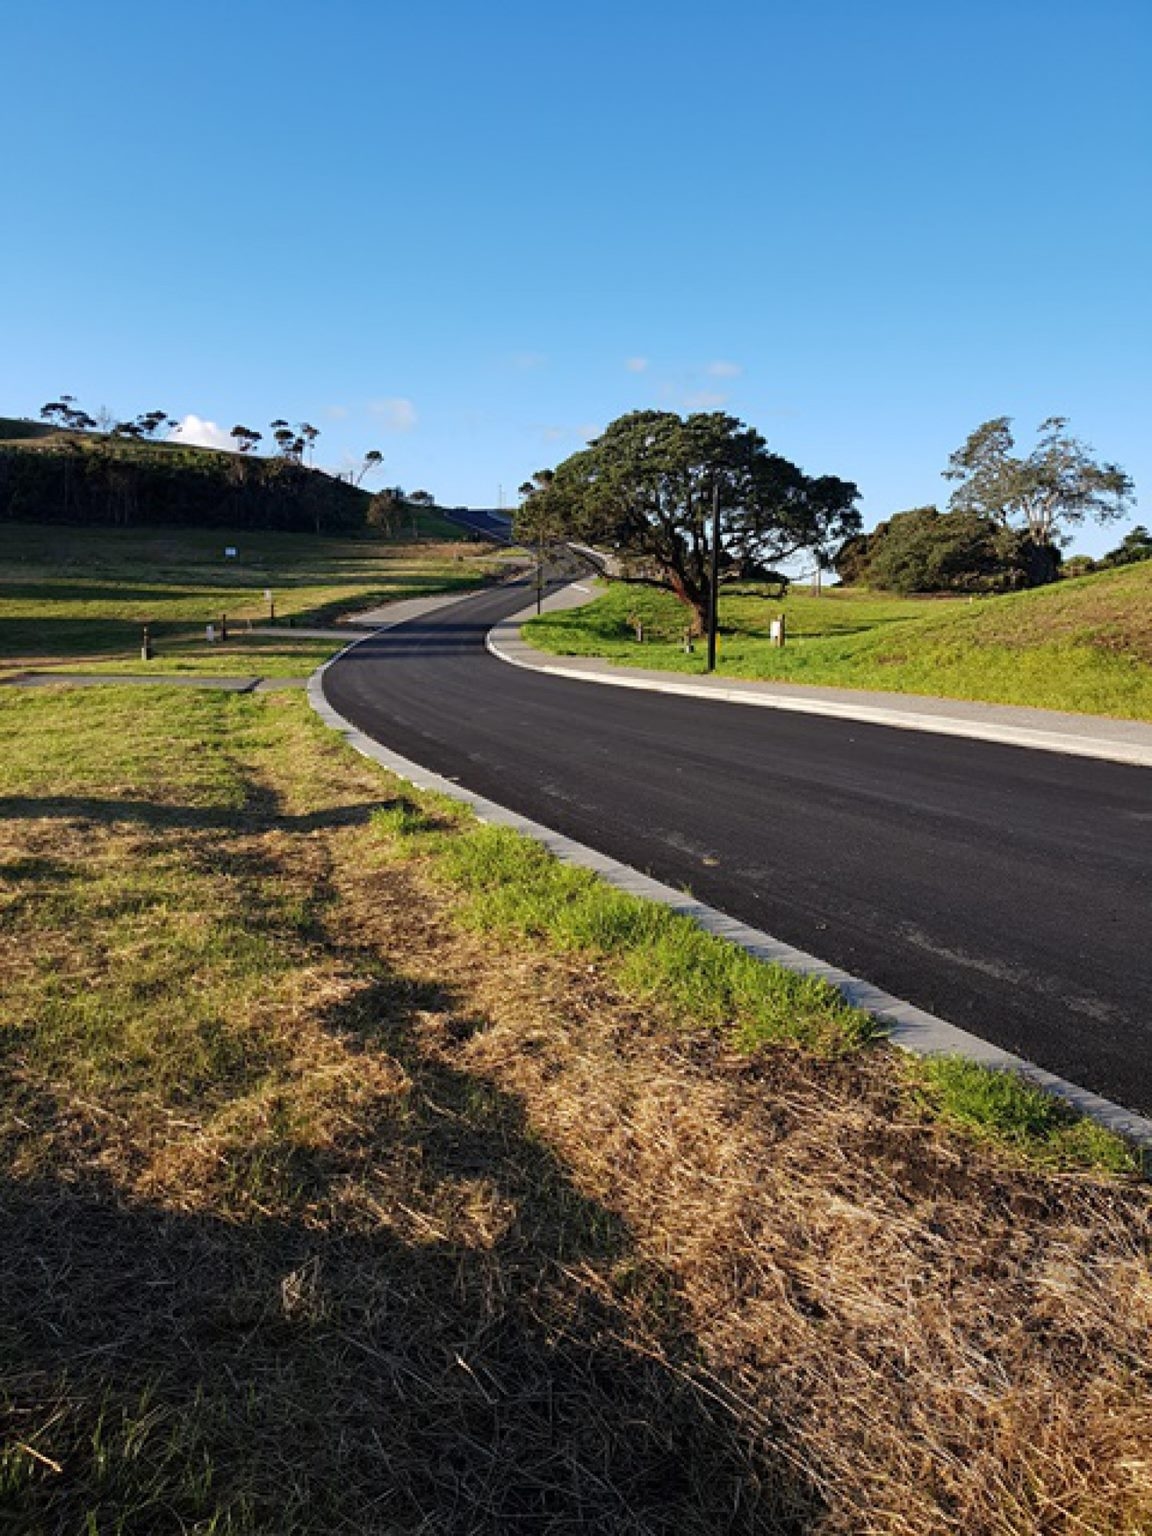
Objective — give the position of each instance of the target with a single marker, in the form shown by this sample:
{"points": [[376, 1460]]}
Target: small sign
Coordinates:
{"points": [[210, 633], [230, 552], [267, 594], [775, 630]]}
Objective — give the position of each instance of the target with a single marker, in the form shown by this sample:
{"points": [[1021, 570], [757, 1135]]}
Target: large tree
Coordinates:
{"points": [[644, 488], [925, 550], [1059, 484]]}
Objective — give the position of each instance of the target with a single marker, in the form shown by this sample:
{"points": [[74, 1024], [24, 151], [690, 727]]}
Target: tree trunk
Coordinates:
{"points": [[695, 601]]}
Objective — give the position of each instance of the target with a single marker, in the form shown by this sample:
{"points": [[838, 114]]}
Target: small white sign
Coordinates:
{"points": [[267, 594], [230, 552], [210, 633], [774, 631]]}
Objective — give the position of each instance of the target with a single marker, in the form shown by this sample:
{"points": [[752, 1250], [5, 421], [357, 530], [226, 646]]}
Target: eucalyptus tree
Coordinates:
{"points": [[1059, 484]]}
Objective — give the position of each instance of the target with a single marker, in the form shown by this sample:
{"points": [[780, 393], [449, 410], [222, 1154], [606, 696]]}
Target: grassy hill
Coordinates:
{"points": [[92, 478], [80, 596], [1083, 645]]}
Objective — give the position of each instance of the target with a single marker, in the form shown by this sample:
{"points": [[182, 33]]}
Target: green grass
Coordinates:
{"points": [[1083, 645], [514, 885], [80, 597], [656, 955], [1007, 1109]]}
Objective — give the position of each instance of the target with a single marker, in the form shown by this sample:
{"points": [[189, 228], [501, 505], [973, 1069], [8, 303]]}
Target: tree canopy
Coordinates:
{"points": [[1136, 545], [644, 488], [1058, 484], [925, 550]]}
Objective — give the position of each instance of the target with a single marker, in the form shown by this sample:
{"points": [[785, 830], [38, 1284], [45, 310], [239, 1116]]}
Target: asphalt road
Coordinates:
{"points": [[1008, 891]]}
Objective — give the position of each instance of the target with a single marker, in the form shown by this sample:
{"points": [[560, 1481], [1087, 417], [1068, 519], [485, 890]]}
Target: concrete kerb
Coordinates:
{"points": [[908, 1027], [1131, 743]]}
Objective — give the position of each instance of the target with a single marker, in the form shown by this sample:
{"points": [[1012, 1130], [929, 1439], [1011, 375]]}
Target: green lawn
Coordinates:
{"points": [[81, 597], [1084, 645]]}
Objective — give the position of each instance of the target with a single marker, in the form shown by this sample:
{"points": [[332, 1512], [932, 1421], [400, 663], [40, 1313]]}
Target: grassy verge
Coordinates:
{"points": [[79, 598], [363, 1169], [1084, 645]]}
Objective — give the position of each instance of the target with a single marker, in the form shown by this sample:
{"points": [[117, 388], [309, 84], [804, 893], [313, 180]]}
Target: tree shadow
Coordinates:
{"points": [[392, 1362], [259, 814]]}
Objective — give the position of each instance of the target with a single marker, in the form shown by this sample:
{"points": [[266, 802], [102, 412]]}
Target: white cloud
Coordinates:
{"points": [[636, 364], [395, 413], [724, 370], [336, 412], [705, 400], [201, 434], [582, 432]]}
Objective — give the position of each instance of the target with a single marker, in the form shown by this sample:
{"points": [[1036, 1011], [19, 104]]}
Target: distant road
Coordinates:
{"points": [[1007, 890]]}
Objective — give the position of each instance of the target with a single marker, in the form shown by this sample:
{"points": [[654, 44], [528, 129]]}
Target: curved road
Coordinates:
{"points": [[1004, 889]]}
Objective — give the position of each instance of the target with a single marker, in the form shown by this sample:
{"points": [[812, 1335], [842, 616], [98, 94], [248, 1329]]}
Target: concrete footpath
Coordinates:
{"points": [[152, 680], [1046, 730]]}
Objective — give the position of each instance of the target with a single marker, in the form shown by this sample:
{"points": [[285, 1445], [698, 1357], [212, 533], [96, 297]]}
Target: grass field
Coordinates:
{"points": [[364, 1170], [80, 597], [1084, 645]]}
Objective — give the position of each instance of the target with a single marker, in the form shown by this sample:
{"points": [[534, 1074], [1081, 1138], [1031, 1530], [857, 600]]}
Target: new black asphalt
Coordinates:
{"points": [[1007, 890]]}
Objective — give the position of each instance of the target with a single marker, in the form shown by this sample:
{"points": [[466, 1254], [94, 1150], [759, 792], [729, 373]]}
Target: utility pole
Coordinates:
{"points": [[714, 577]]}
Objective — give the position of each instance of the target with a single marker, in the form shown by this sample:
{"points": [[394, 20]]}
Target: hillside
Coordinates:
{"points": [[80, 596], [92, 478], [16, 429], [1083, 645]]}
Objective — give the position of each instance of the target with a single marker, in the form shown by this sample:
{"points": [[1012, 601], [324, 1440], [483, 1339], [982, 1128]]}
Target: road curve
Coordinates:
{"points": [[1006, 890]]}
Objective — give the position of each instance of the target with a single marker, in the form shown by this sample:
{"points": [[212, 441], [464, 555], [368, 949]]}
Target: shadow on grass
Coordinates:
{"points": [[261, 813], [383, 1361]]}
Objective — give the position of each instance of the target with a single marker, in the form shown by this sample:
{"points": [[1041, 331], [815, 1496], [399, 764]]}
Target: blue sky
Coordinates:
{"points": [[472, 235]]}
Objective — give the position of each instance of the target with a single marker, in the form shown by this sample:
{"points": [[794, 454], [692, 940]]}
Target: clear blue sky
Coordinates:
{"points": [[470, 235]]}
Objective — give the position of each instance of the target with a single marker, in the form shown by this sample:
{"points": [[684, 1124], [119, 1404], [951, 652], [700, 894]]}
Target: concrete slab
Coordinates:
{"points": [[132, 680]]}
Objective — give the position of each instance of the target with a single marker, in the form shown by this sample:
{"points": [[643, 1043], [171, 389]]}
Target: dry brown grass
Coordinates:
{"points": [[462, 1240]]}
